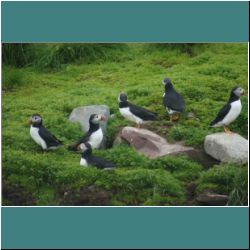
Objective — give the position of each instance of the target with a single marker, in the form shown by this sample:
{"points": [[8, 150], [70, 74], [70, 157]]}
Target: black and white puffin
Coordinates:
{"points": [[41, 135], [94, 136], [173, 101], [133, 112], [88, 159], [230, 111]]}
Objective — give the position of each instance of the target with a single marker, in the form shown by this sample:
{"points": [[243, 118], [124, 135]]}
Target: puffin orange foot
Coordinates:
{"points": [[227, 130]]}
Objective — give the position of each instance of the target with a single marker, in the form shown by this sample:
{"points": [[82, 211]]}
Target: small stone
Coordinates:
{"points": [[190, 115], [212, 199]]}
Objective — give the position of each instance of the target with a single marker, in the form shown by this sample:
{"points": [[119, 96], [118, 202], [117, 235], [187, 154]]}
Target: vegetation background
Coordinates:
{"points": [[53, 79]]}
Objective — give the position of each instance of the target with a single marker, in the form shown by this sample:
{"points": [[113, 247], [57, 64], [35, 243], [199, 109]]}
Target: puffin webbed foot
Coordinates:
{"points": [[175, 117], [227, 130]]}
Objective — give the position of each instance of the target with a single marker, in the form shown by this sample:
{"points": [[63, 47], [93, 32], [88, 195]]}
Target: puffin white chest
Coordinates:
{"points": [[125, 112], [83, 162], [36, 137], [96, 138], [233, 113]]}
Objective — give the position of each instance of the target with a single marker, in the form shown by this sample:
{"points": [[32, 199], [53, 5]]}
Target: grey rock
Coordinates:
{"points": [[212, 199], [231, 148], [82, 114], [149, 143]]}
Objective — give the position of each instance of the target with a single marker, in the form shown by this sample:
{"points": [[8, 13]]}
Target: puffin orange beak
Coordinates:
{"points": [[245, 93], [103, 118], [30, 121]]}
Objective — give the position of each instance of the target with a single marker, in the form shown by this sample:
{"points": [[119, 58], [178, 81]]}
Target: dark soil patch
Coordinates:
{"points": [[191, 194], [86, 196], [16, 195]]}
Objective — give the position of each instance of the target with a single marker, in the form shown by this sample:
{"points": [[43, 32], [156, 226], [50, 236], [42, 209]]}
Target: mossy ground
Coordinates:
{"points": [[203, 73]]}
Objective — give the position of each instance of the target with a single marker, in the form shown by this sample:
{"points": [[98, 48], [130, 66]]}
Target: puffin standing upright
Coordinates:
{"points": [[133, 112], [173, 101], [230, 111], [41, 135], [94, 136], [88, 159]]}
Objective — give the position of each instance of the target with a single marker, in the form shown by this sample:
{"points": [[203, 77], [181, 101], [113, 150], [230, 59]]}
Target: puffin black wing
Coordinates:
{"points": [[49, 138], [85, 138], [101, 163], [142, 113], [221, 115], [174, 101]]}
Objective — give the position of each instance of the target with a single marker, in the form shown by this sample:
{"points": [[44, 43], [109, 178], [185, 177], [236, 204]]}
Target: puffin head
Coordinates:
{"points": [[166, 82], [96, 118], [122, 97], [238, 91], [35, 119]]}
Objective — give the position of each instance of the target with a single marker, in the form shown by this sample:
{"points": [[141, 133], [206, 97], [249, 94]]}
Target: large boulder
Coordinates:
{"points": [[224, 147], [82, 114], [149, 143]]}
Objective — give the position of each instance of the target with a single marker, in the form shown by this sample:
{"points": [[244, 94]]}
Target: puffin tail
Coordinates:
{"points": [[154, 116], [157, 117], [72, 147], [60, 142], [212, 124], [110, 166]]}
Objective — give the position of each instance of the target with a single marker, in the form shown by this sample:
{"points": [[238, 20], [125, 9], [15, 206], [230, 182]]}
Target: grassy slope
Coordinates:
{"points": [[204, 74]]}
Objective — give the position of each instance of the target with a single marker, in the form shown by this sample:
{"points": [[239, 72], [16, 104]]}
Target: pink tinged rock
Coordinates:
{"points": [[151, 144], [212, 199]]}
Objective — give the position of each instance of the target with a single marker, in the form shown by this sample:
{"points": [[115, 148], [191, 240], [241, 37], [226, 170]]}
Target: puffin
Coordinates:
{"points": [[94, 136], [230, 111], [133, 112], [41, 135], [88, 159], [172, 100]]}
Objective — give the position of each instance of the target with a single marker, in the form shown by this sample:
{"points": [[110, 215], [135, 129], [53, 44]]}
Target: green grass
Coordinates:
{"points": [[226, 179], [12, 77], [64, 77]]}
